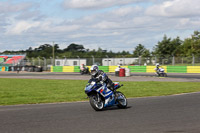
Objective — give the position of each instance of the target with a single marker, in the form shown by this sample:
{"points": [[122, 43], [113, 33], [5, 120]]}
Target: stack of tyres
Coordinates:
{"points": [[116, 73], [127, 72]]}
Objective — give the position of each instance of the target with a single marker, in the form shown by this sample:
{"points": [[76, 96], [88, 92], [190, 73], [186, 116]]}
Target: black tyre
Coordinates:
{"points": [[158, 75], [121, 99], [96, 105], [165, 75], [81, 72], [162, 75]]}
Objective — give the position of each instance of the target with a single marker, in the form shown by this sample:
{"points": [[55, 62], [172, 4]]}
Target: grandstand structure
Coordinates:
{"points": [[10, 60]]}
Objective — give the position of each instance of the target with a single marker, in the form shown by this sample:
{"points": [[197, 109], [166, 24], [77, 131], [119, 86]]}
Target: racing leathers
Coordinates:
{"points": [[102, 77]]}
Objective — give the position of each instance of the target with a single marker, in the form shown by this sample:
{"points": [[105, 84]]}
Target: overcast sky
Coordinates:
{"points": [[110, 24]]}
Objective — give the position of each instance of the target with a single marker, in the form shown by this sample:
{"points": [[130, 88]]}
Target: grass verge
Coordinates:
{"points": [[32, 91]]}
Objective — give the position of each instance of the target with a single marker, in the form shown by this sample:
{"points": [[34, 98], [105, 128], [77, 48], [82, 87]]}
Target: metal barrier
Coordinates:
{"points": [[148, 69]]}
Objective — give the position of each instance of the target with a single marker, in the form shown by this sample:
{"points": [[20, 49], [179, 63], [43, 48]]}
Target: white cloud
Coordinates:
{"points": [[96, 4], [126, 11], [9, 7], [47, 26], [123, 24], [105, 25], [21, 27], [94, 35], [51, 28], [175, 8]]}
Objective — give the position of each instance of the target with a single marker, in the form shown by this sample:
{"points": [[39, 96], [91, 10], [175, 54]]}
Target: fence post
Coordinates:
{"points": [[44, 63], [92, 60], [65, 62], [139, 60], [51, 61], [33, 62], [173, 60], [182, 60], [78, 60], [38, 61], [107, 60], [123, 60], [193, 59]]}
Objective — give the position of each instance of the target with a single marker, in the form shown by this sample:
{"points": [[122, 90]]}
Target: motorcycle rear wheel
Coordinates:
{"points": [[121, 99], [98, 106]]}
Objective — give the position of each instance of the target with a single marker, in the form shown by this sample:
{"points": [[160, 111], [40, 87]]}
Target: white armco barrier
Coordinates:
{"points": [[127, 72]]}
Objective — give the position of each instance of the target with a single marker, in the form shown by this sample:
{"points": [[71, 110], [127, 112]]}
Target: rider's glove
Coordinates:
{"points": [[102, 82]]}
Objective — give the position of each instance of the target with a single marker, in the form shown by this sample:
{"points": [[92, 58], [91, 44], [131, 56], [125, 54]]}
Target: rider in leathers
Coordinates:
{"points": [[157, 69], [101, 77]]}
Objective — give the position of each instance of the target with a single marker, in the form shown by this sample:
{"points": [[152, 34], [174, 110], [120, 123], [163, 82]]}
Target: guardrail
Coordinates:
{"points": [[148, 69]]}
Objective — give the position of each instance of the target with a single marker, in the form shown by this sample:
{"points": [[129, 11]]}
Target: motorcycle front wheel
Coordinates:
{"points": [[121, 99], [165, 75], [97, 104]]}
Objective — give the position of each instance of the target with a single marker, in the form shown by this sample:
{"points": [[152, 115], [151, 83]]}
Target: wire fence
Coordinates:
{"points": [[178, 61], [45, 64]]}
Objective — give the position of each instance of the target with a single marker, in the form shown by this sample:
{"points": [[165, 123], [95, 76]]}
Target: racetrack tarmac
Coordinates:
{"points": [[172, 77], [164, 114]]}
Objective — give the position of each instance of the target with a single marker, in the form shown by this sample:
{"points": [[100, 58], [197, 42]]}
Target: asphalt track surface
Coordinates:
{"points": [[165, 114], [172, 77]]}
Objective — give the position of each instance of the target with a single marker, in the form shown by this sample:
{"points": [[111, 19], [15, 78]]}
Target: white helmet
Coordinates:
{"points": [[94, 69], [157, 64]]}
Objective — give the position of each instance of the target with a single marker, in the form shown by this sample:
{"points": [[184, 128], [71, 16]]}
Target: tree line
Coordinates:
{"points": [[168, 47]]}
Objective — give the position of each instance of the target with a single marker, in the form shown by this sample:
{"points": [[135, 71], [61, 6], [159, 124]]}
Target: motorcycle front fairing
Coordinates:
{"points": [[91, 87], [162, 70], [106, 93]]}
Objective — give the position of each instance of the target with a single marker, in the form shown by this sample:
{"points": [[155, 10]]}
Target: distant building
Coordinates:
{"points": [[119, 61], [69, 62]]}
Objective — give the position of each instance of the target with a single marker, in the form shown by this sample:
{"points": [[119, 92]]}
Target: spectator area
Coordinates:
{"points": [[3, 59], [11, 59], [14, 60]]}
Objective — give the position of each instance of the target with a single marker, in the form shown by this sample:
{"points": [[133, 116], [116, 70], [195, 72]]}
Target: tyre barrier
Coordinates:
{"points": [[148, 69], [22, 68]]}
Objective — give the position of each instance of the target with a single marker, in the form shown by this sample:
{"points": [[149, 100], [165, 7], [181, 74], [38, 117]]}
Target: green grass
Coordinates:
{"points": [[31, 91]]}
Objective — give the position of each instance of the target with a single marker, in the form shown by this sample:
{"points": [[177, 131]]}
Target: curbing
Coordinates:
{"points": [[148, 69]]}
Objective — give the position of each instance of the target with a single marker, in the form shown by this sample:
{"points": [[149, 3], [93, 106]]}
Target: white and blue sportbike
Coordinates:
{"points": [[101, 97]]}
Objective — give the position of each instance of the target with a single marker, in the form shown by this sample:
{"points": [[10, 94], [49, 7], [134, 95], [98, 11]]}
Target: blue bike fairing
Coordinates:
{"points": [[110, 103], [103, 91]]}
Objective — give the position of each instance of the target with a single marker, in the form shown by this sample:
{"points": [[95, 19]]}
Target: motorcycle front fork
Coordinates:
{"points": [[98, 97]]}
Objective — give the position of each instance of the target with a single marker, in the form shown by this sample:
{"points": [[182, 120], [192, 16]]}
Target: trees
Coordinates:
{"points": [[165, 48], [74, 47], [168, 47], [176, 47], [44, 50], [140, 50], [191, 46]]}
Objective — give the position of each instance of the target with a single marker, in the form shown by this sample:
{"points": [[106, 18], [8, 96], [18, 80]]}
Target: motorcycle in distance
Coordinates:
{"points": [[101, 97], [160, 72], [85, 71]]}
